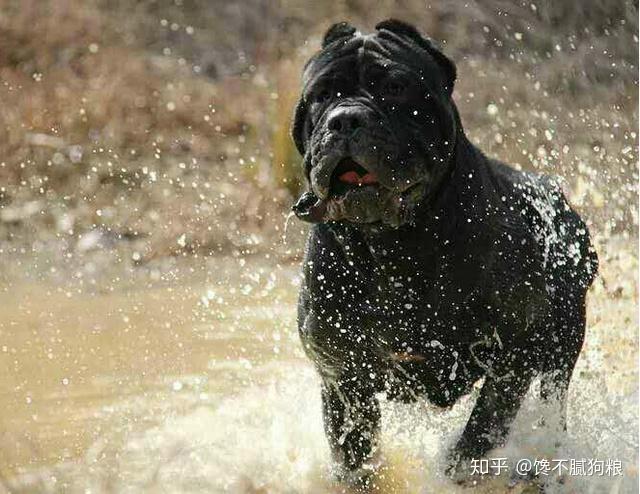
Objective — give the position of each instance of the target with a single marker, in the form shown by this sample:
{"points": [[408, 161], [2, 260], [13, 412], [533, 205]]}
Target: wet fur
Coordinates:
{"points": [[488, 280]]}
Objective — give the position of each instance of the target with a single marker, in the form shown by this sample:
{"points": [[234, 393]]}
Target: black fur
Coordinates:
{"points": [[338, 31], [483, 275], [404, 29]]}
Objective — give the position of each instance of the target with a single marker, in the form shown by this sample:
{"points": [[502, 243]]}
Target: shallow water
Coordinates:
{"points": [[190, 378]]}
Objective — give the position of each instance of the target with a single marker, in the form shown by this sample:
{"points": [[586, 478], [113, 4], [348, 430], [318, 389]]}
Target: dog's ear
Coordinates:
{"points": [[404, 29], [297, 127], [338, 31]]}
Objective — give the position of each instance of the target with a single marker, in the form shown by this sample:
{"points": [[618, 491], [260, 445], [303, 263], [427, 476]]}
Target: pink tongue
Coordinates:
{"points": [[353, 178]]}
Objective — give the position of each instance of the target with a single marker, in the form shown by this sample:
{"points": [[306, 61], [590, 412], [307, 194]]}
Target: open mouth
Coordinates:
{"points": [[349, 175]]}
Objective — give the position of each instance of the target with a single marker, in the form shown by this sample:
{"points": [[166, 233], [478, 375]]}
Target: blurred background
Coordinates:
{"points": [[146, 172], [139, 121]]}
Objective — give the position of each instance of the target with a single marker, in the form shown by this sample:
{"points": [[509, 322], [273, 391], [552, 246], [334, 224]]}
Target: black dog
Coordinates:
{"points": [[429, 265]]}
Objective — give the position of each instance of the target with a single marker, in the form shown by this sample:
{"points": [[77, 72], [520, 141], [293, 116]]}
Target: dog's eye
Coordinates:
{"points": [[321, 96], [393, 88]]}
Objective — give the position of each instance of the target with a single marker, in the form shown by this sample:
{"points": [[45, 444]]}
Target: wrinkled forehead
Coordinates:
{"points": [[365, 56]]}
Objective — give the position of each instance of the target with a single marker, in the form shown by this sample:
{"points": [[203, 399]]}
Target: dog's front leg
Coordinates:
{"points": [[489, 423], [351, 415]]}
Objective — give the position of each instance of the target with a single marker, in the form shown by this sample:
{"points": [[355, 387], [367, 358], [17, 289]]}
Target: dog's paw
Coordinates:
{"points": [[459, 469], [359, 477], [516, 478], [359, 480]]}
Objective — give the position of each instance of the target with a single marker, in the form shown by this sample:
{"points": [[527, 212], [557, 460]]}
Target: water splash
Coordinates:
{"points": [[270, 439], [286, 226]]}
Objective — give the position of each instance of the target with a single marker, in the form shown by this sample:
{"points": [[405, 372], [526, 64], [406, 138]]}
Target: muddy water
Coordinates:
{"points": [[190, 378]]}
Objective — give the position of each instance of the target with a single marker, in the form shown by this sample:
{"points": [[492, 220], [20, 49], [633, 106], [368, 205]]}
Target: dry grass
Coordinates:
{"points": [[146, 122]]}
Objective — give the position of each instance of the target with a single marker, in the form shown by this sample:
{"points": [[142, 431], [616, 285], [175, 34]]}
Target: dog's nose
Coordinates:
{"points": [[345, 120]]}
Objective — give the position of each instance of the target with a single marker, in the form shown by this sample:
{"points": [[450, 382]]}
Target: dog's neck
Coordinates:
{"points": [[445, 218]]}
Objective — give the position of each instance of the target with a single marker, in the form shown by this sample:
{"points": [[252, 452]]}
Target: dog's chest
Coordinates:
{"points": [[406, 293], [420, 308]]}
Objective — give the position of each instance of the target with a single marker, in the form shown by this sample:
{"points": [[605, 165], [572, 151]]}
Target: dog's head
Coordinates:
{"points": [[375, 123]]}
